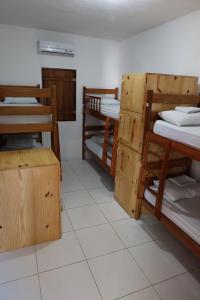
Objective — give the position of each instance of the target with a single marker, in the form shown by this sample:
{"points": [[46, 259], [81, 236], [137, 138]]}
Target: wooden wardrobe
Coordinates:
{"points": [[132, 125]]}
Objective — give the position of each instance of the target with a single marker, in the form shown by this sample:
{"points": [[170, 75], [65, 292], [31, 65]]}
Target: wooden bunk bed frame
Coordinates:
{"points": [[166, 163], [47, 97], [91, 106]]}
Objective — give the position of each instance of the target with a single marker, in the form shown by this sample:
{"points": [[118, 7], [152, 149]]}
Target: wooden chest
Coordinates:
{"points": [[132, 128], [29, 198]]}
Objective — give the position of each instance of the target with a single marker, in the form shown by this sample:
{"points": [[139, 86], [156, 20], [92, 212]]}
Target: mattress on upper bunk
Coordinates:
{"points": [[109, 107], [97, 148], [184, 213], [24, 119], [189, 135]]}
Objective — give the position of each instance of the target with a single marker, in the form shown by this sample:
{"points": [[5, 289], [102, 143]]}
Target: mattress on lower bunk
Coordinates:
{"points": [[97, 148], [184, 213], [189, 135], [23, 119]]}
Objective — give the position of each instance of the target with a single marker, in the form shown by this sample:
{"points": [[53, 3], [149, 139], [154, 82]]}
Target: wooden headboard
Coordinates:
{"points": [[97, 91]]}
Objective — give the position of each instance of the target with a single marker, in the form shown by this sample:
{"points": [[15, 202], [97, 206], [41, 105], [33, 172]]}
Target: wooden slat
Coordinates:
{"points": [[25, 128], [100, 91], [172, 164], [175, 99], [24, 92], [25, 110]]}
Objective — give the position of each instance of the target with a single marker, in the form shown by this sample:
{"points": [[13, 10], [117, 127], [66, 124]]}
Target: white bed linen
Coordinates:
{"points": [[184, 213], [189, 135], [97, 148], [23, 119], [110, 110]]}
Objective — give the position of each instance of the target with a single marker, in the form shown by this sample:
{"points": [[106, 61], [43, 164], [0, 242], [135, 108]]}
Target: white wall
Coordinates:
{"points": [[96, 62], [172, 48]]}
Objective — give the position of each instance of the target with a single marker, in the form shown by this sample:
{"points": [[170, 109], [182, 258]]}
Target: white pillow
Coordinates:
{"points": [[25, 100], [179, 118]]}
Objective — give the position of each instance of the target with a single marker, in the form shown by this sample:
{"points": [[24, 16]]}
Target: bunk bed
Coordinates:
{"points": [[157, 176], [101, 140], [23, 117]]}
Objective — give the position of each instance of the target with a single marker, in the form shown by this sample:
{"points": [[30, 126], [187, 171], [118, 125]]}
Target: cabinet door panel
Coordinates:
{"points": [[131, 128], [128, 163], [133, 92]]}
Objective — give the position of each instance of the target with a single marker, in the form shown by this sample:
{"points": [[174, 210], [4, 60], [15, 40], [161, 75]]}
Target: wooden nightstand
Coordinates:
{"points": [[29, 198]]}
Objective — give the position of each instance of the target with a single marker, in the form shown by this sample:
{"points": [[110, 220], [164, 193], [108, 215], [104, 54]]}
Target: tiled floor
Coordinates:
{"points": [[103, 254]]}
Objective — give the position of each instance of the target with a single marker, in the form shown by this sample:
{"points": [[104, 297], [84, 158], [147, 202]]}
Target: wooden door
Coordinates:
{"points": [[65, 81]]}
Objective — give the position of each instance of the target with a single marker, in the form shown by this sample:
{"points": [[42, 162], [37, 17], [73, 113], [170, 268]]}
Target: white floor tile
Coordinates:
{"points": [[117, 275], [131, 232], [17, 264], [91, 181], [67, 171], [76, 199], [112, 211], [99, 240], [154, 227], [71, 185], [101, 195], [23, 289], [183, 287], [74, 282], [59, 253], [146, 294], [162, 260], [66, 225], [86, 216]]}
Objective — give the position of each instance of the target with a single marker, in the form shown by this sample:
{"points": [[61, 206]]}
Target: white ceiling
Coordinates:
{"points": [[114, 19]]}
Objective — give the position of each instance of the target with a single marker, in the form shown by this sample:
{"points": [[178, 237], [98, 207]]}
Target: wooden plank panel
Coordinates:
{"points": [[133, 92], [27, 158], [131, 128], [25, 128], [29, 215], [126, 195], [24, 92], [175, 99], [128, 163], [25, 110], [100, 91]]}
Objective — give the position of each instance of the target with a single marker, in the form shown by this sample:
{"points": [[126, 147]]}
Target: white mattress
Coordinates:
{"points": [[97, 148], [23, 119], [189, 135], [110, 110], [184, 213]]}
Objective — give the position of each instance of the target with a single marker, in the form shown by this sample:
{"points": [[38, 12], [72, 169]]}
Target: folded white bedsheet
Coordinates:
{"points": [[184, 213], [174, 192]]}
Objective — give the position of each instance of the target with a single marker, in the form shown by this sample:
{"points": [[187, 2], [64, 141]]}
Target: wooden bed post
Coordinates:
{"points": [[83, 124], [54, 132]]}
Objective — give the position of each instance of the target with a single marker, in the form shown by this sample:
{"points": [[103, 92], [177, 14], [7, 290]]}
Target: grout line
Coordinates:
{"points": [[17, 279], [38, 274], [85, 257], [88, 266]]}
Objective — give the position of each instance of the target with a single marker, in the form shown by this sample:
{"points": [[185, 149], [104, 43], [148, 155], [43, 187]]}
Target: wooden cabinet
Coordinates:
{"points": [[131, 128], [128, 163], [132, 124], [29, 198]]}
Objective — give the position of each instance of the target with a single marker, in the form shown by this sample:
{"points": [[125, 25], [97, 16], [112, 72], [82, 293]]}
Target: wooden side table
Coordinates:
{"points": [[29, 198]]}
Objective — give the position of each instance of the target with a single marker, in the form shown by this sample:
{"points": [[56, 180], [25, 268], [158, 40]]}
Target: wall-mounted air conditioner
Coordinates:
{"points": [[56, 48]]}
